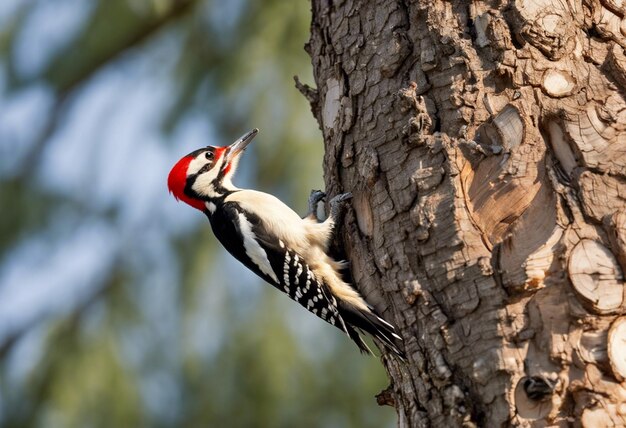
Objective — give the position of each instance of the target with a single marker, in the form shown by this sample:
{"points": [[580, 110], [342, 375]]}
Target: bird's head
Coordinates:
{"points": [[206, 173]]}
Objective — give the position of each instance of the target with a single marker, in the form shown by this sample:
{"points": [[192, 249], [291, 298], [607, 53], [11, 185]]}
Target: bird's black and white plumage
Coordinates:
{"points": [[269, 238]]}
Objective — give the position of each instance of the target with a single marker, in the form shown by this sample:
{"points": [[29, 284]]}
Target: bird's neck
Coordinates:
{"points": [[215, 194]]}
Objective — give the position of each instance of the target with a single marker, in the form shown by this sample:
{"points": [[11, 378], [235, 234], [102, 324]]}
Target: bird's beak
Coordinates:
{"points": [[240, 145]]}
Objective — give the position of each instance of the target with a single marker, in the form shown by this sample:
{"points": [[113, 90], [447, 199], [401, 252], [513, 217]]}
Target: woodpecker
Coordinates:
{"points": [[268, 237]]}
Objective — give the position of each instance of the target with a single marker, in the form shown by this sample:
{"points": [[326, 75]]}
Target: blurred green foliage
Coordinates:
{"points": [[163, 334]]}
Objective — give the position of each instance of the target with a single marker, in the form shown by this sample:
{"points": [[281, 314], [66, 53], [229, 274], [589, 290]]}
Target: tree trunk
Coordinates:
{"points": [[485, 146]]}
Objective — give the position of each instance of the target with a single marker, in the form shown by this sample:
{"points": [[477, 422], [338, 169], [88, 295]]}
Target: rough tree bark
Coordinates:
{"points": [[485, 145]]}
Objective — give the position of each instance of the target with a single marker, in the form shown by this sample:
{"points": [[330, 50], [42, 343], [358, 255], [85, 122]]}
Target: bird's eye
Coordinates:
{"points": [[209, 155]]}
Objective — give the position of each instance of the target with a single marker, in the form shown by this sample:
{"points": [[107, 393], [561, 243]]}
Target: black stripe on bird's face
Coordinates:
{"points": [[205, 173]]}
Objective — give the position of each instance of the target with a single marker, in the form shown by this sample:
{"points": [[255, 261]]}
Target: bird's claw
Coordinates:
{"points": [[315, 198], [337, 202], [340, 198]]}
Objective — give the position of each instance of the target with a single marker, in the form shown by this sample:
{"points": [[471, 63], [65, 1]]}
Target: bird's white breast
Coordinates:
{"points": [[280, 220]]}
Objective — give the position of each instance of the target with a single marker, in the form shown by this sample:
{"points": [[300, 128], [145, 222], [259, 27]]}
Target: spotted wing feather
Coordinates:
{"points": [[290, 273]]}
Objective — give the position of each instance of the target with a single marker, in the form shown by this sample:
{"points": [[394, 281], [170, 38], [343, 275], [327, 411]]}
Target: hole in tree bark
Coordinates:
{"points": [[532, 397], [538, 388]]}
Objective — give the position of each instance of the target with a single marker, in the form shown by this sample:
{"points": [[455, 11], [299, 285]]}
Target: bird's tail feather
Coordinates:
{"points": [[356, 337], [369, 322]]}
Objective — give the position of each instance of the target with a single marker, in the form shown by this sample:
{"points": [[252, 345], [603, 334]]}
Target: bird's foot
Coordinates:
{"points": [[315, 198], [338, 203]]}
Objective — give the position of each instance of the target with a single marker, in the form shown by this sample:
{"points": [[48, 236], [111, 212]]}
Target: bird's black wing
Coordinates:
{"points": [[243, 235]]}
